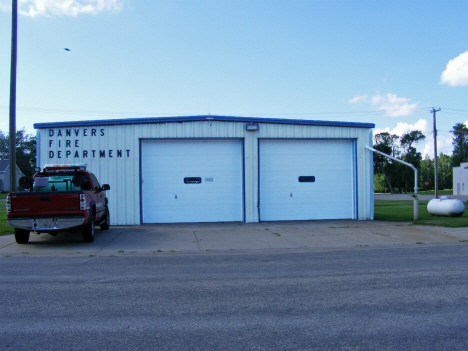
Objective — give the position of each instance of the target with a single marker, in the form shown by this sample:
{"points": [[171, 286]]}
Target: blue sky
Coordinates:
{"points": [[385, 62]]}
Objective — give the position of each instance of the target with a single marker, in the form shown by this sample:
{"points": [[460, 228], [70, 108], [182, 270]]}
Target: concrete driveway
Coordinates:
{"points": [[199, 237]]}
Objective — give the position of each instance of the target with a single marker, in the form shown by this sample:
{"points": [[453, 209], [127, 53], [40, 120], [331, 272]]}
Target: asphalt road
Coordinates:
{"points": [[357, 299]]}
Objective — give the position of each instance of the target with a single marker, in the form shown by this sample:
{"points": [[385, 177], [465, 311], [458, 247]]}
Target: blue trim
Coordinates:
{"points": [[308, 138], [243, 179], [356, 183], [368, 159], [258, 179], [107, 122], [140, 177], [190, 139]]}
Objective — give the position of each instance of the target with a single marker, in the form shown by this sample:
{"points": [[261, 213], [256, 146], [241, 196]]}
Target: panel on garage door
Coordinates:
{"points": [[325, 190], [192, 181]]}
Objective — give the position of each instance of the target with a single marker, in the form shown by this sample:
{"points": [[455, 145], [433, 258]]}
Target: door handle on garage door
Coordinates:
{"points": [[192, 180]]}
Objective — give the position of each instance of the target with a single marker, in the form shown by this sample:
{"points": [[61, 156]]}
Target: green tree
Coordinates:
{"points": [[380, 184], [426, 173], [25, 150], [386, 143], [411, 156], [460, 144], [408, 139], [444, 171], [398, 176]]}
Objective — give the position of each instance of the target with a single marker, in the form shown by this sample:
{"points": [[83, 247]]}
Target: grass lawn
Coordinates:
{"points": [[402, 211], [428, 192], [4, 228]]}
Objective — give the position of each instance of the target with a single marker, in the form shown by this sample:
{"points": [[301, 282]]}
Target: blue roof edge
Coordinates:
{"points": [[107, 122]]}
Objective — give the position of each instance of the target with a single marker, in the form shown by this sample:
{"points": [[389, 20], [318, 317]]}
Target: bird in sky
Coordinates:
{"points": [[66, 49]]}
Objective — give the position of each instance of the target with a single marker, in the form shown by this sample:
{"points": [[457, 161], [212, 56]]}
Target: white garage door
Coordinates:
{"points": [[192, 181], [306, 179]]}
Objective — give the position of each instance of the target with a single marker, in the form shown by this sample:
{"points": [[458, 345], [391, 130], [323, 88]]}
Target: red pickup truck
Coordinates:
{"points": [[59, 197]]}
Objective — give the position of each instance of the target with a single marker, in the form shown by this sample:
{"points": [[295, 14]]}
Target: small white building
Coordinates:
{"points": [[219, 168], [460, 179], [5, 175]]}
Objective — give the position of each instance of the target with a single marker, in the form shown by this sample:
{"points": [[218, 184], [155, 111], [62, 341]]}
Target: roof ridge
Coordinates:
{"points": [[140, 120]]}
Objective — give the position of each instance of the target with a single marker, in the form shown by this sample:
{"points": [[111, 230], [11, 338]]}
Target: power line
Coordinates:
{"points": [[336, 114], [292, 114], [451, 109], [456, 113]]}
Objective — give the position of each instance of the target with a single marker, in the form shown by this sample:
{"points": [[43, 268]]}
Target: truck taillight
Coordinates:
{"points": [[82, 202], [8, 204]]}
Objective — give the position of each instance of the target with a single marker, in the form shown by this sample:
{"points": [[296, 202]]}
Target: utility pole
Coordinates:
{"points": [[436, 178], [12, 133]]}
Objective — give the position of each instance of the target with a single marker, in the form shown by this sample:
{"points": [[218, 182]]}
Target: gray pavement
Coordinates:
{"points": [[197, 237]]}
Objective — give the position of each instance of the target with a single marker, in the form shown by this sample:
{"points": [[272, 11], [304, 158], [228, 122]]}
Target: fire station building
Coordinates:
{"points": [[220, 168]]}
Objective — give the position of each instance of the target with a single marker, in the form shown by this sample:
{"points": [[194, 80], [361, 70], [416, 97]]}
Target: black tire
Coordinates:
{"points": [[106, 224], [21, 236], [88, 230]]}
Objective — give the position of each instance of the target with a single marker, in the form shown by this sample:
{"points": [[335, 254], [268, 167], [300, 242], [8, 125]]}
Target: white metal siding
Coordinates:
{"points": [[330, 196], [460, 179], [166, 198], [123, 173]]}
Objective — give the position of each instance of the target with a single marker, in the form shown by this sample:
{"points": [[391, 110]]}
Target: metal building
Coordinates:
{"points": [[460, 179], [218, 168]]}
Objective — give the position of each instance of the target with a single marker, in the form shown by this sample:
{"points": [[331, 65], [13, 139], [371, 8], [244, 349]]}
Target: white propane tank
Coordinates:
{"points": [[446, 207]]}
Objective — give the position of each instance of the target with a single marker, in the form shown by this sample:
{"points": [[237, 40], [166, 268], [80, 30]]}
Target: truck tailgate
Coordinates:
{"points": [[44, 203]]}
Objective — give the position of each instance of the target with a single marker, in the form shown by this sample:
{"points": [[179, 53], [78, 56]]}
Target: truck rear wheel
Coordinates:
{"points": [[21, 235], [88, 230]]}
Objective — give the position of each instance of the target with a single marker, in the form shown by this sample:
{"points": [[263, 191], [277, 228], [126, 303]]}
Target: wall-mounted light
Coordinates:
{"points": [[251, 127]]}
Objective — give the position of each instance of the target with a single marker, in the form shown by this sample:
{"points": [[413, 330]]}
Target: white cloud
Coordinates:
{"points": [[393, 105], [357, 99], [425, 147], [402, 128], [421, 125], [444, 145], [456, 72], [34, 8], [378, 131]]}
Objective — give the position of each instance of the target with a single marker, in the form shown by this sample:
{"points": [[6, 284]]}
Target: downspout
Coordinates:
{"points": [[416, 199]]}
